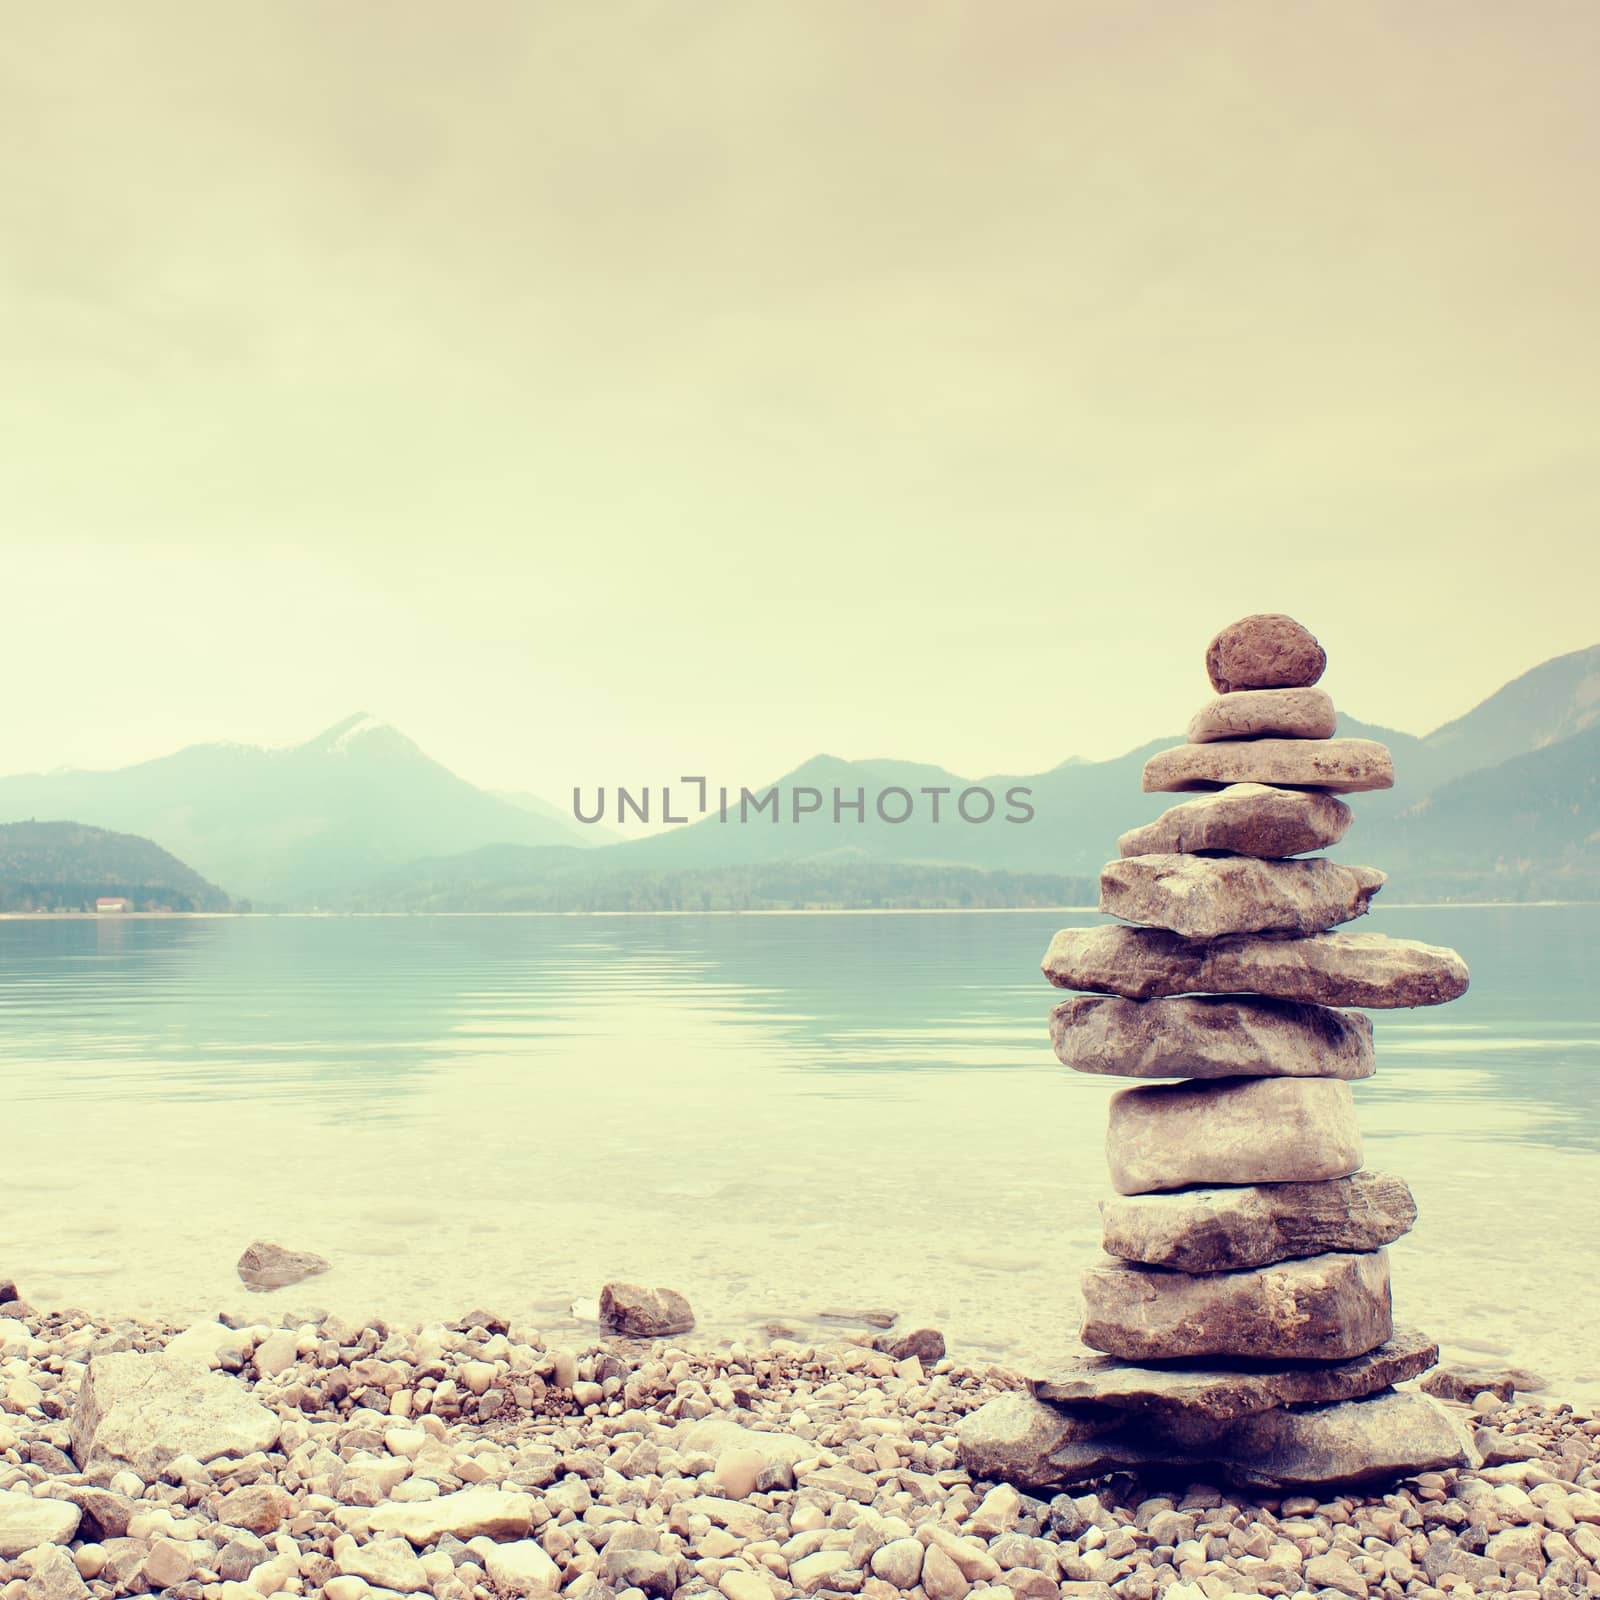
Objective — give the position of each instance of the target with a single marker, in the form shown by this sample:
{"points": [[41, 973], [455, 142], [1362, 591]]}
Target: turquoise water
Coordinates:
{"points": [[774, 1113]]}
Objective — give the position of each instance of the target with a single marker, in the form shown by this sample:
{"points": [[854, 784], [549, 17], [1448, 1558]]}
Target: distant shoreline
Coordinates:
{"points": [[755, 911]]}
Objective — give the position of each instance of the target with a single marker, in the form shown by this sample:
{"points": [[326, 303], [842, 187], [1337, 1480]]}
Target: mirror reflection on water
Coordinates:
{"points": [[777, 1114]]}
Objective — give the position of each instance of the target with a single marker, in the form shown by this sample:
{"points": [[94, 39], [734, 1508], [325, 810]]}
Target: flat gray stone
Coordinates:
{"points": [[142, 1411], [1266, 650], [1015, 1437], [1210, 897], [1338, 766], [1249, 819], [1225, 1392], [1325, 1308], [1231, 1130], [717, 1436], [478, 1512], [1466, 1383], [1230, 1229], [1125, 1449], [1379, 1439], [1264, 714], [1210, 1036], [1329, 969]]}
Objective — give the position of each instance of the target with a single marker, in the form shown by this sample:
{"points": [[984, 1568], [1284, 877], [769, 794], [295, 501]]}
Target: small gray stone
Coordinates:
{"points": [[1264, 713], [1231, 1131], [717, 1436], [240, 1556], [125, 1559], [264, 1267], [256, 1507], [941, 1577], [873, 1319], [926, 1344], [1465, 1384], [53, 1575], [521, 1567], [1210, 1037], [1333, 1571], [1516, 1550], [1248, 819], [640, 1313], [386, 1564], [649, 1570], [1325, 1308], [899, 1563], [105, 1514]]}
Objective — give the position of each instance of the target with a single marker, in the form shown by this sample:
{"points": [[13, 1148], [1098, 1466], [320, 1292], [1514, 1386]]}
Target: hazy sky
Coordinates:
{"points": [[603, 391]]}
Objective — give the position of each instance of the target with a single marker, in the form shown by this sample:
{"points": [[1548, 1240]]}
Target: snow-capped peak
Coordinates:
{"points": [[339, 738]]}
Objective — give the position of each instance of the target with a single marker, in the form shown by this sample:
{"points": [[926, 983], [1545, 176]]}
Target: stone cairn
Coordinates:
{"points": [[1245, 1309]]}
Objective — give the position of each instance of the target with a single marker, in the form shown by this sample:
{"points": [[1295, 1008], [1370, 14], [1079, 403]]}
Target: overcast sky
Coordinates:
{"points": [[611, 390]]}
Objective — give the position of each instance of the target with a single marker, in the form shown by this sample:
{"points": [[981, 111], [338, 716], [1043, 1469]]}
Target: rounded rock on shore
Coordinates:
{"points": [[264, 1267], [640, 1313]]}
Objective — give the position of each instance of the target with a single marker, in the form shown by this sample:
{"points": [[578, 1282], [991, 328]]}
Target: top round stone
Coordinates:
{"points": [[1265, 651]]}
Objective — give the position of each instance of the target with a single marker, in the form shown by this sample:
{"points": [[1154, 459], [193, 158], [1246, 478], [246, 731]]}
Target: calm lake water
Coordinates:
{"points": [[777, 1114]]}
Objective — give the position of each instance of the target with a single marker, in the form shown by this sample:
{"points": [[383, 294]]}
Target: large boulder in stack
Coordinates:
{"points": [[1370, 970], [1207, 1036], [1373, 1440], [1252, 1225], [1324, 1308], [1368, 1441], [1339, 766], [1209, 897], [1243, 1311], [1246, 819], [1231, 1130], [1264, 713], [1101, 1386]]}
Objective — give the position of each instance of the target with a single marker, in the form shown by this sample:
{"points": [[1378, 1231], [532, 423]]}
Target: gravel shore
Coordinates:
{"points": [[478, 1459]]}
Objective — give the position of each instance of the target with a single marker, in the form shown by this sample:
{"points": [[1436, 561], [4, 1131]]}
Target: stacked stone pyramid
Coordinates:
{"points": [[1244, 1311]]}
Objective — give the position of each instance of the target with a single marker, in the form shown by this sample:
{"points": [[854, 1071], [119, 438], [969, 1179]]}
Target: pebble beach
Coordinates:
{"points": [[300, 1454]]}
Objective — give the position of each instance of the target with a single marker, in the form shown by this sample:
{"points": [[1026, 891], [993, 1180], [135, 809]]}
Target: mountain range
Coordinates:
{"points": [[1501, 802], [292, 826]]}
